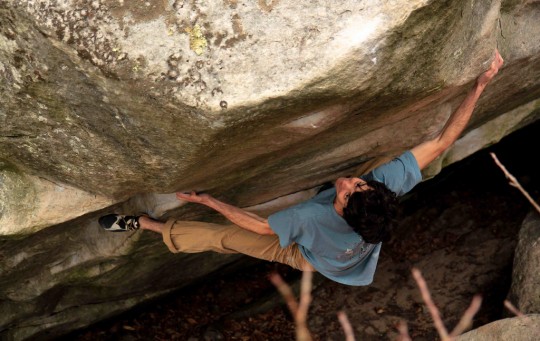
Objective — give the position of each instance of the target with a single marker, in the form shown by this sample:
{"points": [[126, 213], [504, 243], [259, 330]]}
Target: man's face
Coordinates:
{"points": [[345, 187]]}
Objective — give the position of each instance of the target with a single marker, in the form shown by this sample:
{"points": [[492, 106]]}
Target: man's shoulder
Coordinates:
{"points": [[311, 208], [399, 175]]}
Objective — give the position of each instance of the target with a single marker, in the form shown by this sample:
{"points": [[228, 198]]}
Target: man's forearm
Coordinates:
{"points": [[459, 119], [240, 217], [428, 151]]}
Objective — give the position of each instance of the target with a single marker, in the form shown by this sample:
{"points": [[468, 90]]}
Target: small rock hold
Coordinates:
{"points": [[216, 90], [223, 104], [10, 34]]}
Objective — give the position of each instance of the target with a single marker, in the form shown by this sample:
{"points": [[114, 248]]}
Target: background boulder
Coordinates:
{"points": [[510, 329], [525, 290]]}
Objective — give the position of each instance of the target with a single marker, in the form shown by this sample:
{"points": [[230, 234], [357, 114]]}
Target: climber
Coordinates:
{"points": [[338, 233]]}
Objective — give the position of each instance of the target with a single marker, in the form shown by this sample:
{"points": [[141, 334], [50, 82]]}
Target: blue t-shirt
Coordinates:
{"points": [[324, 237]]}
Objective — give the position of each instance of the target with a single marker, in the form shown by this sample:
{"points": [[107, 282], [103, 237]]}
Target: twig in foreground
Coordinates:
{"points": [[346, 325], [302, 331], [466, 320], [285, 291], [437, 321], [403, 331], [513, 309], [298, 311]]}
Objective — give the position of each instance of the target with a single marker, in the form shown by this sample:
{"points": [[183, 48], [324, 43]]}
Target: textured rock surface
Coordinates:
{"points": [[29, 203], [525, 290], [511, 329], [252, 101], [311, 89]]}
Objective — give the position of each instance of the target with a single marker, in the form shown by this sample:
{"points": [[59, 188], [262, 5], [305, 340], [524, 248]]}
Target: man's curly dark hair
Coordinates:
{"points": [[372, 213]]}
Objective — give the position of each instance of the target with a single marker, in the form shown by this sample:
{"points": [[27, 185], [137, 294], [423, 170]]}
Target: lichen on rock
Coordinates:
{"points": [[197, 41]]}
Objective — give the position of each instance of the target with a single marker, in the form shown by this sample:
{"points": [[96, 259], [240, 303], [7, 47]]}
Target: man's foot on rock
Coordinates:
{"points": [[119, 223]]}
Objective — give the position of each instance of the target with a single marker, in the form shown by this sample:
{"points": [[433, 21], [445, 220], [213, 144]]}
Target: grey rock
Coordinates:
{"points": [[29, 203], [304, 104], [525, 289], [510, 329]]}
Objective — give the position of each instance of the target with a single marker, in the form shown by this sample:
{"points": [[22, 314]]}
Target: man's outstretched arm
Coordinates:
{"points": [[238, 216], [430, 150]]}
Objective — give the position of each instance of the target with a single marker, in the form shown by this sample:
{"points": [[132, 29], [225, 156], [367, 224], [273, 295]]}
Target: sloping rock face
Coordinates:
{"points": [[118, 101], [525, 290], [29, 203], [123, 97]]}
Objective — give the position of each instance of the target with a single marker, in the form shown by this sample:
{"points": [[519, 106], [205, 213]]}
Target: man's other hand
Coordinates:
{"points": [[193, 197]]}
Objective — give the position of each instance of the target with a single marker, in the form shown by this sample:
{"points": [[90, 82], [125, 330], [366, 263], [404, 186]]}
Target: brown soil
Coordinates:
{"points": [[459, 229]]}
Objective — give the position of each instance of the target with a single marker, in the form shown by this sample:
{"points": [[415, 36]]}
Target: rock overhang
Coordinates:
{"points": [[99, 97], [214, 95]]}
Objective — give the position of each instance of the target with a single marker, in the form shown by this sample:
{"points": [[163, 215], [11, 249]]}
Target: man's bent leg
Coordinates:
{"points": [[150, 224], [195, 236]]}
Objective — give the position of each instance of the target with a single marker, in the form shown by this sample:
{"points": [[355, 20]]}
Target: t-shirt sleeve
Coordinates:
{"points": [[400, 175], [287, 225]]}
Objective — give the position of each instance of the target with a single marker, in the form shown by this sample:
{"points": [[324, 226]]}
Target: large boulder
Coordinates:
{"points": [[121, 101], [525, 289], [124, 97]]}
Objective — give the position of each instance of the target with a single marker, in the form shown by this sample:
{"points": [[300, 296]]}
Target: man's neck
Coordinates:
{"points": [[338, 208]]}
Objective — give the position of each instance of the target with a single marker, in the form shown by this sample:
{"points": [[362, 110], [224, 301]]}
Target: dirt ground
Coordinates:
{"points": [[459, 229]]}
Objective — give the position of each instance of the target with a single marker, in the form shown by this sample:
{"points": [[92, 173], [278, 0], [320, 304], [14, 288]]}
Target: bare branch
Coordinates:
{"points": [[515, 183], [437, 321], [286, 292], [305, 295], [403, 331], [299, 312], [302, 332], [513, 309], [346, 325], [466, 320]]}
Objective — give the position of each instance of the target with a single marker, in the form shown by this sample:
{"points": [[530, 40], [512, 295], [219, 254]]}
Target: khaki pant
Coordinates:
{"points": [[196, 236]]}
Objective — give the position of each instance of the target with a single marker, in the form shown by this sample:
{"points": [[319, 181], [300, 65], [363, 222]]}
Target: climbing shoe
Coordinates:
{"points": [[119, 223]]}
